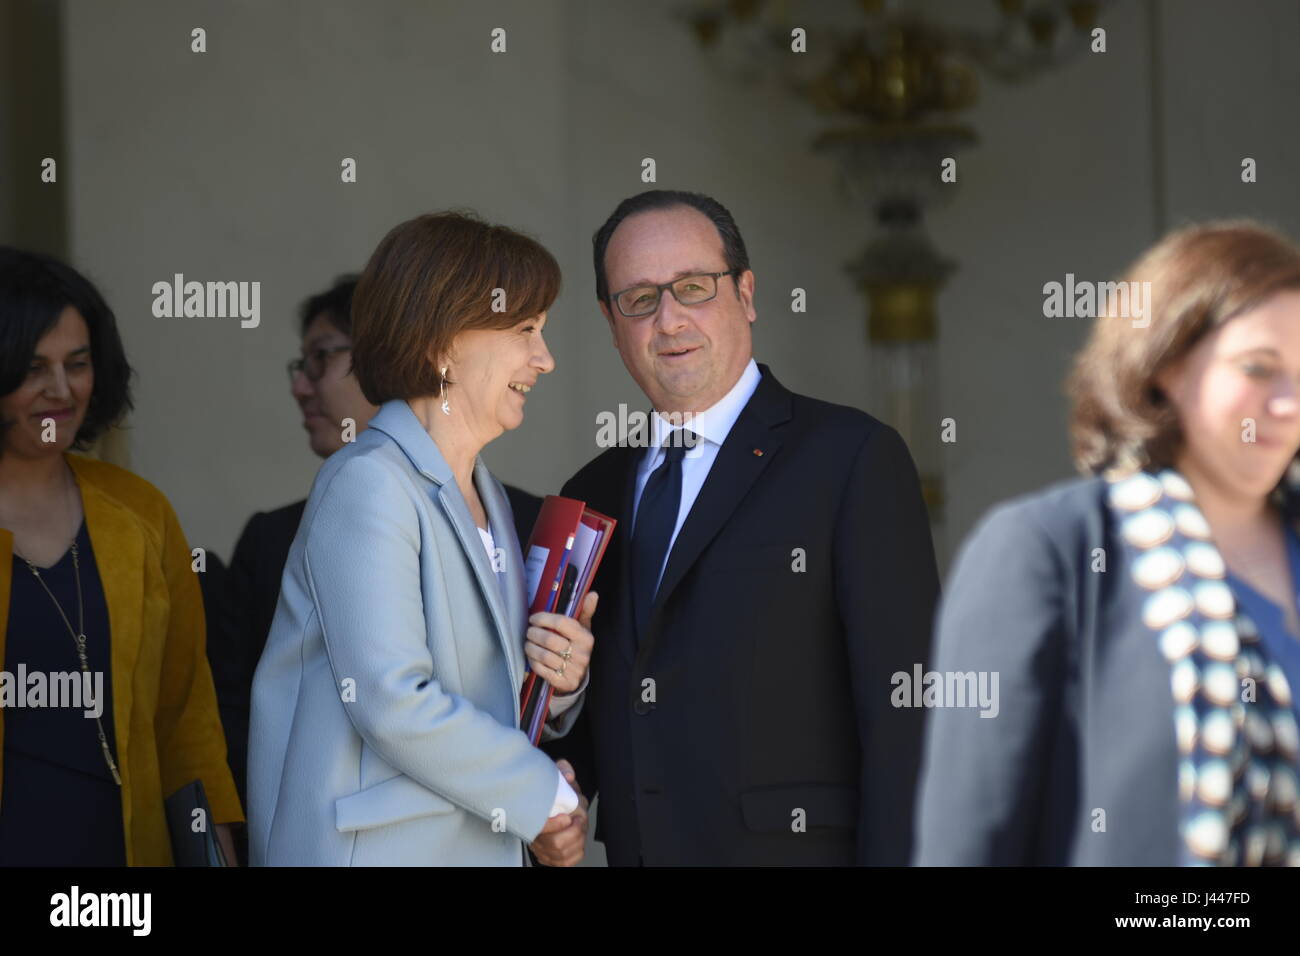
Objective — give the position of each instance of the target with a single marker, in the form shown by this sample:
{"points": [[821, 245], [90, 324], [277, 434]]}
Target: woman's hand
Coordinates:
{"points": [[560, 647]]}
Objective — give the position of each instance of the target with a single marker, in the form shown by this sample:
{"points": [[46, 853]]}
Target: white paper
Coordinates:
{"points": [[584, 544]]}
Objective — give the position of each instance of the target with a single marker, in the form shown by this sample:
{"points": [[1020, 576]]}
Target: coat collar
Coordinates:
{"points": [[713, 424], [505, 598], [396, 420]]}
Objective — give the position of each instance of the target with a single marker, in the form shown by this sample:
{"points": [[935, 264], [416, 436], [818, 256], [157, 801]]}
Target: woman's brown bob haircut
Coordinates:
{"points": [[432, 278], [1201, 276]]}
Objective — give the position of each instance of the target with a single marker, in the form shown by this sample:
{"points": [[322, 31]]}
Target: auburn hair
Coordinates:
{"points": [[1200, 277], [431, 278]]}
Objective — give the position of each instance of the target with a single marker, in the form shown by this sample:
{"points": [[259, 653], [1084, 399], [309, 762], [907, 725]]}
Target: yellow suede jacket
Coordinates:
{"points": [[164, 704]]}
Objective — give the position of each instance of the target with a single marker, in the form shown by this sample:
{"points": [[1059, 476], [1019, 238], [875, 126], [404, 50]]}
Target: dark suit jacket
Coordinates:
{"points": [[240, 619], [1085, 718], [771, 685]]}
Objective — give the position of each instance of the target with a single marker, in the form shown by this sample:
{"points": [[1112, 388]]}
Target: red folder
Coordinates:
{"points": [[560, 562]]}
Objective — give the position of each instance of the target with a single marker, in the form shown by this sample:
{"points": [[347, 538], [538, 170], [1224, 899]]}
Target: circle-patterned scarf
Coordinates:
{"points": [[1236, 733]]}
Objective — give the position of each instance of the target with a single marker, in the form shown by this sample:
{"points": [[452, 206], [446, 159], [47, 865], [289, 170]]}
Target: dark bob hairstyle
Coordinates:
{"points": [[335, 303], [34, 291], [431, 278]]}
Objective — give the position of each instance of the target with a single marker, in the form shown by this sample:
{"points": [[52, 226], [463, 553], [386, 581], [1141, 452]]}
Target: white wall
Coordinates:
{"points": [[1060, 182]]}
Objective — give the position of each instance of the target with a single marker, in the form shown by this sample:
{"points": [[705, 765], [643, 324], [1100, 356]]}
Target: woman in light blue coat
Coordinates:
{"points": [[385, 717]]}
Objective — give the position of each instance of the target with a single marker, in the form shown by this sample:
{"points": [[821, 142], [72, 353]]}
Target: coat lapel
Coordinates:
{"points": [[457, 512], [509, 584], [119, 543], [626, 628], [745, 453], [396, 420]]}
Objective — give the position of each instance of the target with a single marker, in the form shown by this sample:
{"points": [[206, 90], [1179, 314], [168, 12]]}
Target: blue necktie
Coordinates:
{"points": [[656, 516]]}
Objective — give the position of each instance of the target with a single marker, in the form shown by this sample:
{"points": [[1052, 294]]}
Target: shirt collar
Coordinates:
{"points": [[715, 422]]}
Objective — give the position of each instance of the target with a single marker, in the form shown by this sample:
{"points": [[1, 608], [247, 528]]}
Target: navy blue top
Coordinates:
{"points": [[1282, 647], [59, 805]]}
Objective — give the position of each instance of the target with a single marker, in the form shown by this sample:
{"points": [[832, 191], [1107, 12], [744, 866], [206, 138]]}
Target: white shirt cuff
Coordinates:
{"points": [[566, 801]]}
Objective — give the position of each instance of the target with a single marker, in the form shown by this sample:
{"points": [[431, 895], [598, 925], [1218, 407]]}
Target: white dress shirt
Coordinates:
{"points": [[566, 801], [712, 425]]}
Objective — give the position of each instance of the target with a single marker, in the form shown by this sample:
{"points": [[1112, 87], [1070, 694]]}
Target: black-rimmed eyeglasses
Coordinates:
{"points": [[314, 363], [642, 300]]}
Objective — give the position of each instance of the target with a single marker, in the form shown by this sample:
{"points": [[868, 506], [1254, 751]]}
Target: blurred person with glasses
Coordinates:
{"points": [[322, 383], [321, 378]]}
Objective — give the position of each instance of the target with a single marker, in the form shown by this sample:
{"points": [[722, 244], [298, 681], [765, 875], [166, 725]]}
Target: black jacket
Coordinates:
{"points": [[242, 619], [770, 684]]}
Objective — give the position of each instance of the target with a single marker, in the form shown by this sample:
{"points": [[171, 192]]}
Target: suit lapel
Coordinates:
{"points": [[745, 453], [626, 628]]}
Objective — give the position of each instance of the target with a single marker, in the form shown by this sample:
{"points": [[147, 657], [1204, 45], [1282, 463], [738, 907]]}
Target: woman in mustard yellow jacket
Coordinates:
{"points": [[106, 700]]}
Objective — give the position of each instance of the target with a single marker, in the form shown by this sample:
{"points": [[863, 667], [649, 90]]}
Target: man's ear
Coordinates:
{"points": [[745, 284]]}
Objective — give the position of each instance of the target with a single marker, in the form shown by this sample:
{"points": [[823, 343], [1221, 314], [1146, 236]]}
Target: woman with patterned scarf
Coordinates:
{"points": [[1142, 621]]}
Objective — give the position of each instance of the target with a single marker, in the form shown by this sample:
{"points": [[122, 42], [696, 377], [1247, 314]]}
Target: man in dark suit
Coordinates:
{"points": [[764, 584]]}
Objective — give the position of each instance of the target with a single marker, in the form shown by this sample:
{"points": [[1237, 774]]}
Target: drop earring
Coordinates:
{"points": [[442, 392]]}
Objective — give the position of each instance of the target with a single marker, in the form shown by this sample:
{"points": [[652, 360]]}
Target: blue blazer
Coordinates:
{"points": [[385, 708]]}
